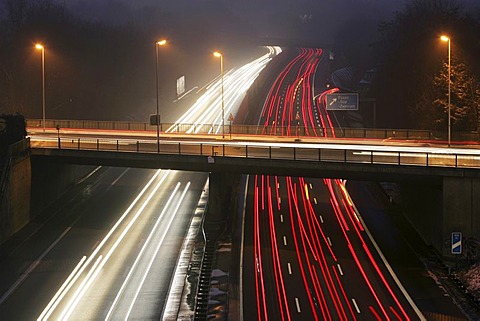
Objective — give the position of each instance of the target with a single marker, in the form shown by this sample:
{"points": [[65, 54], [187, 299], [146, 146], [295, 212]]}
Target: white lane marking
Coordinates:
{"points": [[144, 247], [32, 267], [281, 218], [284, 240], [315, 200], [90, 174], [356, 306], [389, 268], [339, 269], [289, 268], [298, 305], [119, 177], [329, 241], [321, 218], [279, 200], [160, 243], [66, 285], [311, 186]]}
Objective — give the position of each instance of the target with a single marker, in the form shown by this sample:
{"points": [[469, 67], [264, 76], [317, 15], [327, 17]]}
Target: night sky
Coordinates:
{"points": [[323, 20]]}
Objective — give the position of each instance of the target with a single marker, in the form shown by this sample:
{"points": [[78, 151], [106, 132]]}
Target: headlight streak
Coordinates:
{"points": [[241, 86], [81, 290], [53, 302], [206, 111], [139, 256], [112, 230], [172, 216]]}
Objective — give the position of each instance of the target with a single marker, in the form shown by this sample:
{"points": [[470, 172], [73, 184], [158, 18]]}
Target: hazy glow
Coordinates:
{"points": [[207, 110], [39, 46]]}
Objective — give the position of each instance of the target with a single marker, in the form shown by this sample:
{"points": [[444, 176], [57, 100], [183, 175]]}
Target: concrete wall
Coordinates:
{"points": [[423, 208], [50, 180], [437, 210], [461, 209], [32, 185], [15, 207]]}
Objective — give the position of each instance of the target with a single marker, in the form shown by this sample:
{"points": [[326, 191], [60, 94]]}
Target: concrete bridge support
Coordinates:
{"points": [[220, 192], [461, 210]]}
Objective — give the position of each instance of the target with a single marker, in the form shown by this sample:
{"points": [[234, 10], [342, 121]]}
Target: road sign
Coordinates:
{"points": [[155, 119], [456, 243], [342, 101]]}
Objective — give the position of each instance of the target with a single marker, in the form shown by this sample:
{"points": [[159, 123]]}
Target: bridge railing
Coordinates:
{"points": [[235, 129], [326, 153]]}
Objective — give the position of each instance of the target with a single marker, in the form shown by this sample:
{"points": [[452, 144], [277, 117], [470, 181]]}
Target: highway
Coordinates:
{"points": [[110, 251], [110, 248], [78, 258], [306, 243]]}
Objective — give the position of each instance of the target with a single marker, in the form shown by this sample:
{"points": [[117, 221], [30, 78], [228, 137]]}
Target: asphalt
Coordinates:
{"points": [[415, 263]]}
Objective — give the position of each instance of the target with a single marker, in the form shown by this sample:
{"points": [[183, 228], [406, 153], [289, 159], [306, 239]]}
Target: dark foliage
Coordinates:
{"points": [[411, 53], [107, 72], [12, 130]]}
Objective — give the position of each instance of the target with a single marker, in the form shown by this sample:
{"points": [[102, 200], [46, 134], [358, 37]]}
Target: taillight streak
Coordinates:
{"points": [[276, 259], [261, 306], [347, 301], [321, 259], [291, 192]]}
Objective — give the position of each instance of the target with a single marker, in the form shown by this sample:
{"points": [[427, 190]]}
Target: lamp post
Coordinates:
{"points": [[157, 121], [42, 48], [220, 55], [447, 39]]}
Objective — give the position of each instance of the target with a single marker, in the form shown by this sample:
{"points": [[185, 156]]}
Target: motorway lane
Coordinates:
{"points": [[335, 276], [403, 248], [119, 270], [79, 228], [322, 283]]}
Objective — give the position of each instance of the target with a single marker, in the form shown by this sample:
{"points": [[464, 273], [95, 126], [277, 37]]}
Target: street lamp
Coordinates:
{"points": [[447, 39], [220, 55], [157, 121], [42, 48]]}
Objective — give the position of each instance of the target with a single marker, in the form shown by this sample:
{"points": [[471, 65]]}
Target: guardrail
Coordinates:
{"points": [[235, 129], [292, 151]]}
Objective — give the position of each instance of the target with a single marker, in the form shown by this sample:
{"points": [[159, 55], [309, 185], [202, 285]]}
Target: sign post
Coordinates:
{"points": [[230, 119]]}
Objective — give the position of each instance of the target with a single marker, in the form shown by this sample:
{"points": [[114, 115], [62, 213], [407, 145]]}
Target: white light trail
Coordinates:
{"points": [[207, 110], [46, 312], [172, 216], [140, 254], [76, 274], [71, 304], [91, 275]]}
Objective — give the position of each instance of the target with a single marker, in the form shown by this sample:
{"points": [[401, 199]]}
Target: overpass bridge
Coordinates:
{"points": [[456, 170]]}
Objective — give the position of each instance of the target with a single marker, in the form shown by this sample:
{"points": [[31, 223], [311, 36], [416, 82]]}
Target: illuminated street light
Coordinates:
{"points": [[42, 48], [220, 55], [447, 39], [157, 120]]}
